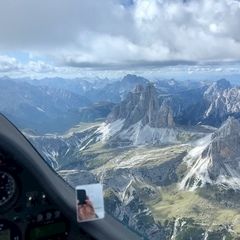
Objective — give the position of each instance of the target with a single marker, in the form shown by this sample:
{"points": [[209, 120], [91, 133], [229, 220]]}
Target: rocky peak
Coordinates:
{"points": [[222, 101], [230, 128], [217, 88], [143, 104], [222, 84], [131, 78], [166, 118]]}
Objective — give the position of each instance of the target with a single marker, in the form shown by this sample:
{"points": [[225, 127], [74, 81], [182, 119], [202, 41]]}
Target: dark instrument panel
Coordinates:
{"points": [[25, 209]]}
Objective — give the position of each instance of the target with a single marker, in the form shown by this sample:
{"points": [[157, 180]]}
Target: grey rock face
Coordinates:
{"points": [[217, 160], [222, 101], [144, 104], [136, 215], [216, 88], [224, 150], [116, 91]]}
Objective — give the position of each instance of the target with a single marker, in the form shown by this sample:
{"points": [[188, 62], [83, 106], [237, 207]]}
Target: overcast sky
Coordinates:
{"points": [[84, 37]]}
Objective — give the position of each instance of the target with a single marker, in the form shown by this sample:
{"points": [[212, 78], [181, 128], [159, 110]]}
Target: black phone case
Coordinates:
{"points": [[82, 196]]}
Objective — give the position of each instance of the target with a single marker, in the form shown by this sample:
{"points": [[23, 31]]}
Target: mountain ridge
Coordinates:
{"points": [[216, 160]]}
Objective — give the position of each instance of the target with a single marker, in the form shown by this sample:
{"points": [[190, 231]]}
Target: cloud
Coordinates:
{"points": [[38, 67], [8, 64], [129, 65], [12, 65], [40, 25], [165, 31], [124, 34]]}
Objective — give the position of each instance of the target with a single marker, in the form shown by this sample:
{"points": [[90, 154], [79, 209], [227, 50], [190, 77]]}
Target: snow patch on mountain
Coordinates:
{"points": [[234, 182], [215, 159], [198, 174], [110, 129], [40, 109], [138, 134], [198, 147], [127, 194], [52, 156]]}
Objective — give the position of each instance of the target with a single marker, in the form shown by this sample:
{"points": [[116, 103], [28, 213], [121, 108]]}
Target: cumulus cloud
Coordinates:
{"points": [[12, 65], [165, 31], [124, 34], [8, 64], [52, 24]]}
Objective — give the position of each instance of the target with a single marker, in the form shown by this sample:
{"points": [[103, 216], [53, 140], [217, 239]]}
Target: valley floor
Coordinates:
{"points": [[176, 203]]}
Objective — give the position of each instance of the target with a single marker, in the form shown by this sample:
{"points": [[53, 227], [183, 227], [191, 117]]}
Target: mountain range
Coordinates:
{"points": [[166, 152], [42, 109]]}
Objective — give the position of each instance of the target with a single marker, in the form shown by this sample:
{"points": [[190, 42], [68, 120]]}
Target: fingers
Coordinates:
{"points": [[88, 202], [86, 210]]}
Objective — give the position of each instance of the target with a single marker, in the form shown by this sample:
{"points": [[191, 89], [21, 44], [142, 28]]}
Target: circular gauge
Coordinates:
{"points": [[7, 188]]}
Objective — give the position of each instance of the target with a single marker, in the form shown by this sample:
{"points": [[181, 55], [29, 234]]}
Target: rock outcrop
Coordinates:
{"points": [[143, 104], [222, 101], [217, 159]]}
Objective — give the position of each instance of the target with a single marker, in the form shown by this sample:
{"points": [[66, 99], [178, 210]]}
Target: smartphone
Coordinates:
{"points": [[81, 196]]}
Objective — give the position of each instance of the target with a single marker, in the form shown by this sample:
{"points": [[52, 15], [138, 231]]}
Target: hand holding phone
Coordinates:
{"points": [[81, 196]]}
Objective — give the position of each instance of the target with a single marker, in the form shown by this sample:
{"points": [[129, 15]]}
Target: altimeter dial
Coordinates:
{"points": [[7, 188]]}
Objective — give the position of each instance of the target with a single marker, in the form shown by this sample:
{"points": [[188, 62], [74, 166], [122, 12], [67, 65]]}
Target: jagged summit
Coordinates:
{"points": [[230, 128], [143, 118], [222, 84], [144, 105], [134, 79], [222, 101], [217, 88]]}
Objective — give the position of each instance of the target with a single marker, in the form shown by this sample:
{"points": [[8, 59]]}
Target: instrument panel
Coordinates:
{"points": [[26, 212]]}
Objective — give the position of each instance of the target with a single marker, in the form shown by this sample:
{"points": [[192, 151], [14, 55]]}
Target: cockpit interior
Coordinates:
{"points": [[36, 203]]}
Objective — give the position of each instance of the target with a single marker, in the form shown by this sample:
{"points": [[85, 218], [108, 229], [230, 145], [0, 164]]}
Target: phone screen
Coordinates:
{"points": [[82, 196]]}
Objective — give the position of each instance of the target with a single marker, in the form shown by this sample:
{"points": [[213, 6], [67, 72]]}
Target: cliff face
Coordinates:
{"points": [[143, 118], [224, 151], [217, 159], [223, 101], [144, 105], [209, 105]]}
